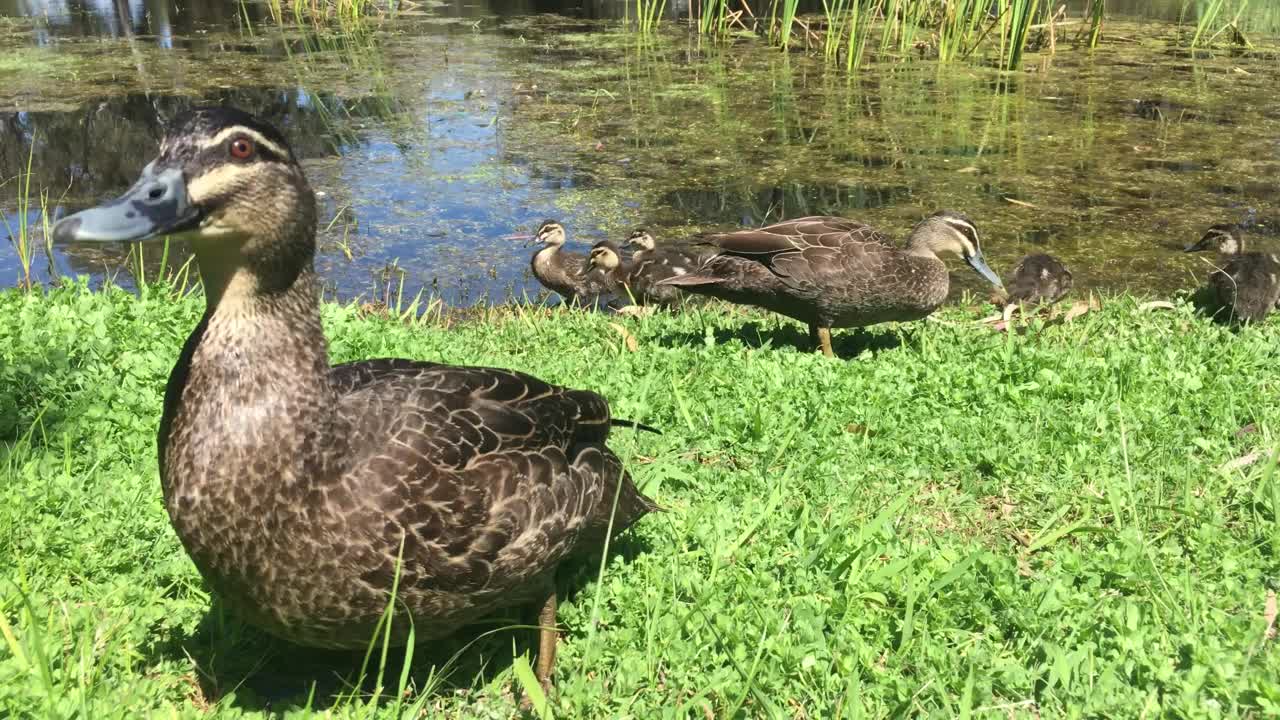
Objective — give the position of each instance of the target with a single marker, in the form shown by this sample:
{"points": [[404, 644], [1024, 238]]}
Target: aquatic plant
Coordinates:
{"points": [[648, 15], [1097, 11], [949, 30], [21, 232]]}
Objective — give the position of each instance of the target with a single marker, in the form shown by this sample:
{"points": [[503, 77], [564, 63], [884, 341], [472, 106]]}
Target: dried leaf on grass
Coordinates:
{"points": [[627, 338]]}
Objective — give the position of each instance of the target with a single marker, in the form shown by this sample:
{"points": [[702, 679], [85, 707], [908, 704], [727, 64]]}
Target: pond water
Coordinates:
{"points": [[433, 134]]}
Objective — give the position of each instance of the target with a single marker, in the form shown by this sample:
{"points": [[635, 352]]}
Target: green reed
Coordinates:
{"points": [[848, 24], [1206, 20], [649, 15], [22, 234], [959, 27], [713, 17], [782, 18], [1015, 22], [1097, 11]]}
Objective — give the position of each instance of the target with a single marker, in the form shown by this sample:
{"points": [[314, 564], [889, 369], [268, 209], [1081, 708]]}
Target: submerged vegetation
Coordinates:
{"points": [[1078, 518]]}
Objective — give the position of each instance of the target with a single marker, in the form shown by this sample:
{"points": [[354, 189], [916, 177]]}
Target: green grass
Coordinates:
{"points": [[955, 522]]}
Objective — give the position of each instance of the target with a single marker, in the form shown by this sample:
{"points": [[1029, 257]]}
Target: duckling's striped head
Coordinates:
{"points": [[550, 232], [222, 178], [1227, 239], [641, 239], [951, 232], [604, 255]]}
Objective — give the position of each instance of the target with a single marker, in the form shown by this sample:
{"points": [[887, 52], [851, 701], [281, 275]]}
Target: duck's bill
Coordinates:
{"points": [[156, 205], [979, 264], [1197, 246]]}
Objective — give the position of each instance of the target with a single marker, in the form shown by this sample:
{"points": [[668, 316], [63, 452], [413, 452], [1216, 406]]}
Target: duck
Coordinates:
{"points": [[564, 272], [307, 493], [1246, 284], [832, 272], [1037, 279], [636, 279]]}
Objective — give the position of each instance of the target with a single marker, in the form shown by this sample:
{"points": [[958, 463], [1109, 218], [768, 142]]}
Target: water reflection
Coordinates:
{"points": [[430, 140], [163, 21]]}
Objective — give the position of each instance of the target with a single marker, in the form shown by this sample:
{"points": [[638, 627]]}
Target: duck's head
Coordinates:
{"points": [[604, 256], [640, 239], [550, 233], [948, 232], [225, 181], [1226, 239]]}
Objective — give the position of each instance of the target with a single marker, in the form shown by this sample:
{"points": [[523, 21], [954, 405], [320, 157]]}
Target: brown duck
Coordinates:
{"points": [[300, 489], [564, 272], [834, 272], [637, 280], [1245, 284]]}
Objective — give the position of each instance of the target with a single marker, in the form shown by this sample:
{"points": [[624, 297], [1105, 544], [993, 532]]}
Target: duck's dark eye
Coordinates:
{"points": [[242, 148]]}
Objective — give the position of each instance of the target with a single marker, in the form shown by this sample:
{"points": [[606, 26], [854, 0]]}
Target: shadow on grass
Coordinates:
{"points": [[846, 343], [263, 673]]}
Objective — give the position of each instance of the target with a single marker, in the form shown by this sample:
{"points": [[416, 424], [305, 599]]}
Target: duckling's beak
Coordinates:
{"points": [[156, 205], [1197, 246], [979, 264]]}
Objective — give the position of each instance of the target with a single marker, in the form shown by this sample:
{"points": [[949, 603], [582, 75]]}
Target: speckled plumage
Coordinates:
{"points": [[832, 272], [1246, 285], [297, 488], [1039, 278]]}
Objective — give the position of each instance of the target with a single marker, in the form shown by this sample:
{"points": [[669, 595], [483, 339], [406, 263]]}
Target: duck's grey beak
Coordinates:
{"points": [[979, 264], [1197, 246], [156, 205]]}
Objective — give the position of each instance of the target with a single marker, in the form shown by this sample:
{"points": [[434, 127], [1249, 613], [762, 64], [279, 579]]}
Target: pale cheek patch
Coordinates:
{"points": [[216, 183]]}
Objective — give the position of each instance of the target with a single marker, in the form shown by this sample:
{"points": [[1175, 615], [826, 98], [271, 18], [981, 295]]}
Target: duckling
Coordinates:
{"points": [[667, 261], [563, 271], [1245, 283], [1039, 278], [304, 492], [630, 279], [834, 272], [1036, 279]]}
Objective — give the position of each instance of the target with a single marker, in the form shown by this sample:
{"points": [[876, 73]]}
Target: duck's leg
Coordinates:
{"points": [[824, 337], [548, 636]]}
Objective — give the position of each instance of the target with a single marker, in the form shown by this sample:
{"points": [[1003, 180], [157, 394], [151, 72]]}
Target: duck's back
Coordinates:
{"points": [[832, 271], [474, 482]]}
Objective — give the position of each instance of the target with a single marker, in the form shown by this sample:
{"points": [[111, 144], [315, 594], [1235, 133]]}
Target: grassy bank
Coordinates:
{"points": [[955, 522]]}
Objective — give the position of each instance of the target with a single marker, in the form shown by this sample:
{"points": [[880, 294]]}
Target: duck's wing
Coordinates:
{"points": [[492, 475], [814, 241]]}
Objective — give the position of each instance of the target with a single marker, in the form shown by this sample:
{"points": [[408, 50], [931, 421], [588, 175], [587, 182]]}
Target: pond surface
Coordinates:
{"points": [[433, 134]]}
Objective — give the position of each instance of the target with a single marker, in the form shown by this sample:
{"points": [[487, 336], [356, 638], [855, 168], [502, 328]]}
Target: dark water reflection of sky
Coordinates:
{"points": [[431, 136]]}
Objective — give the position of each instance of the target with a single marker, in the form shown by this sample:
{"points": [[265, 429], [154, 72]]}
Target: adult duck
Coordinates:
{"points": [[834, 272], [300, 489]]}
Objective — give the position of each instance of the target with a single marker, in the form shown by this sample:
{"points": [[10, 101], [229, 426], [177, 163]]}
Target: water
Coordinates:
{"points": [[432, 135]]}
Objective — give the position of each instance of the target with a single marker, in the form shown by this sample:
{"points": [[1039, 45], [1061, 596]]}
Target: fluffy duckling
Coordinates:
{"points": [[565, 272], [630, 279], [1246, 284]]}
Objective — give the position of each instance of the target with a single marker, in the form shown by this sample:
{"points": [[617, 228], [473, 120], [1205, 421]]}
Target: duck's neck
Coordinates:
{"points": [[918, 246], [250, 399], [542, 259]]}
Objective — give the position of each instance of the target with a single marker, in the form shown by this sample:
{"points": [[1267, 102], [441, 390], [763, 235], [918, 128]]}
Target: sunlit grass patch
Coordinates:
{"points": [[1081, 518]]}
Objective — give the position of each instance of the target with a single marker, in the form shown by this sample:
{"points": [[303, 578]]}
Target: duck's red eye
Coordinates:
{"points": [[242, 148]]}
